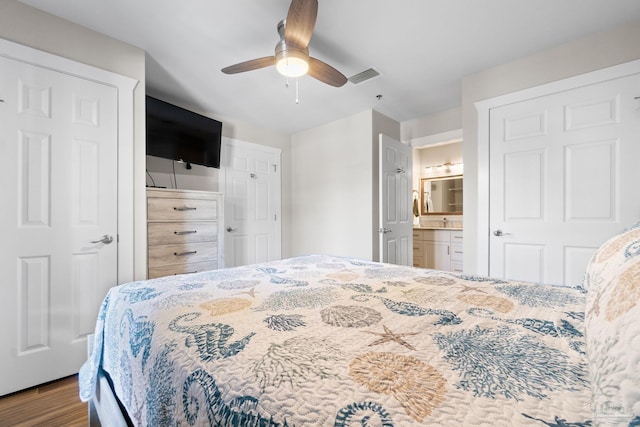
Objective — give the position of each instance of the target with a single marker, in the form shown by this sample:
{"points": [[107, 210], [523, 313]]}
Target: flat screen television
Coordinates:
{"points": [[178, 134]]}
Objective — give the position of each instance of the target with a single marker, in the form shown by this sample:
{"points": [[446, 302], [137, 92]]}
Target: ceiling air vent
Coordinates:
{"points": [[362, 77]]}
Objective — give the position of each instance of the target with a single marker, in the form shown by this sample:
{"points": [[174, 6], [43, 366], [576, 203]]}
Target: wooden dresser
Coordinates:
{"points": [[185, 232]]}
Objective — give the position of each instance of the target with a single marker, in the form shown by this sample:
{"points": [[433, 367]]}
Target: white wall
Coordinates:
{"points": [[577, 57], [335, 186], [432, 124], [331, 188]]}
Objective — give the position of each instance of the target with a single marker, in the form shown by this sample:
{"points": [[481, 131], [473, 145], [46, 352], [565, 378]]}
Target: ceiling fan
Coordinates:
{"points": [[292, 53]]}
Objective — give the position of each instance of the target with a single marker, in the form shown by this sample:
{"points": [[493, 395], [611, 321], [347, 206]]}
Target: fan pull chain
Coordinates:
{"points": [[297, 100]]}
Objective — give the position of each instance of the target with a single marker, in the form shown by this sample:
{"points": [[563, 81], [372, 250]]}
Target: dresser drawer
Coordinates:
{"points": [[192, 267], [182, 253], [456, 236], [456, 266], [166, 233], [159, 209], [456, 252]]}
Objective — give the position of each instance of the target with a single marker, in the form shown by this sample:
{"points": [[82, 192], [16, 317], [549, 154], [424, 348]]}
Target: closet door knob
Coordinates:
{"points": [[106, 239]]}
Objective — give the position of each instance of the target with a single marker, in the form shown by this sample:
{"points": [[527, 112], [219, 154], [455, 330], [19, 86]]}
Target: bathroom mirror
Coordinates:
{"points": [[441, 195]]}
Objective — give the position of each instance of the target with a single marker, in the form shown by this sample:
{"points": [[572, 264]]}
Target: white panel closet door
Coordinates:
{"points": [[396, 217], [59, 142], [564, 174], [252, 203]]}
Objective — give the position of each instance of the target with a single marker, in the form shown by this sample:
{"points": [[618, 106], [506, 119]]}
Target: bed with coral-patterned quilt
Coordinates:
{"points": [[334, 341]]}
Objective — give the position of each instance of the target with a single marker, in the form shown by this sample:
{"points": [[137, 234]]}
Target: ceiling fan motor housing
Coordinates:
{"points": [[291, 60]]}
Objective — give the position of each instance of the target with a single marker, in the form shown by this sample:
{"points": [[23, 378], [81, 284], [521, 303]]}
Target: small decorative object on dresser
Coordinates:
{"points": [[184, 231]]}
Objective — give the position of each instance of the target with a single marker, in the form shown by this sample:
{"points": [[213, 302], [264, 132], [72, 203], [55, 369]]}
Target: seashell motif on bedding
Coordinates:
{"points": [[218, 307], [417, 386], [626, 293], [343, 276], [435, 280], [502, 305], [352, 316]]}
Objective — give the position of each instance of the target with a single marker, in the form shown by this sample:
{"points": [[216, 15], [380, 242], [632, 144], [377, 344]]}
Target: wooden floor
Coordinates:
{"points": [[53, 404]]}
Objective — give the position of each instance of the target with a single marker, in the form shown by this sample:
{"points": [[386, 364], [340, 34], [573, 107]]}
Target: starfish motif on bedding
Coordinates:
{"points": [[388, 336]]}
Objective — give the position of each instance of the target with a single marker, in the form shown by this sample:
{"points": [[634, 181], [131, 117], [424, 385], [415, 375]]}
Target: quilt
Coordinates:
{"points": [[333, 341]]}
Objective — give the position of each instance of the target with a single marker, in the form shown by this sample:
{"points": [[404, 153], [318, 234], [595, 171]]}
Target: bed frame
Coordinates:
{"points": [[104, 409]]}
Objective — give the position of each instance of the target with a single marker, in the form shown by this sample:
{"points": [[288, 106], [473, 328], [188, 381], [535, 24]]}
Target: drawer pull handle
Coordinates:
{"points": [[184, 208], [186, 272], [185, 253], [180, 233]]}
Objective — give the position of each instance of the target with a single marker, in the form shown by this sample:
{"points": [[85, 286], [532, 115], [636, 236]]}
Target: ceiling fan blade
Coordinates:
{"points": [[252, 64], [326, 73], [301, 20]]}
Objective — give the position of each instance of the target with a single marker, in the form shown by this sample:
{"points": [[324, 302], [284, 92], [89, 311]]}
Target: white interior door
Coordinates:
{"points": [[563, 179], [396, 221], [58, 137], [252, 203]]}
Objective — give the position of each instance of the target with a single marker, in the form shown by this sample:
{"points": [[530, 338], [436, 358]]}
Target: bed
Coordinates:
{"points": [[333, 341]]}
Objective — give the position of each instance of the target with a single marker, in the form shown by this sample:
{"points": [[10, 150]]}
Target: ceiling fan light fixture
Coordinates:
{"points": [[292, 63]]}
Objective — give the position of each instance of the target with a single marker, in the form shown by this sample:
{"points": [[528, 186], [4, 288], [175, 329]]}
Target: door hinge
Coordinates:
{"points": [[275, 217], [275, 168]]}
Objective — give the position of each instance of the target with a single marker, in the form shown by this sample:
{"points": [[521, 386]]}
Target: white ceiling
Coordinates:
{"points": [[422, 48]]}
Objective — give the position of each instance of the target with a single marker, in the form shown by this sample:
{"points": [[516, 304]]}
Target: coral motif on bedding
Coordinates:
{"points": [[299, 298], [296, 361], [540, 296], [284, 322], [140, 334], [418, 387], [211, 340], [160, 399], [500, 361]]}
